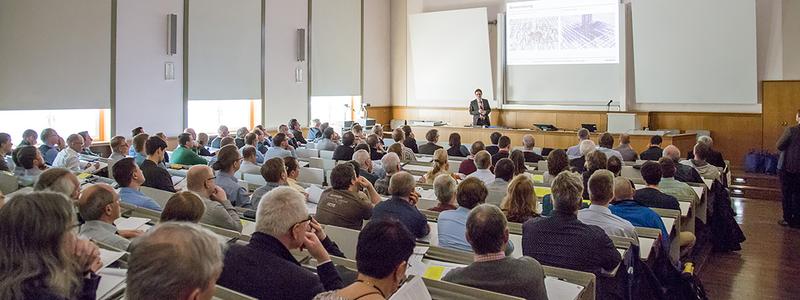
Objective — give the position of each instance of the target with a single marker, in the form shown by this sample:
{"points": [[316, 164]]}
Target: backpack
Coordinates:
{"points": [[753, 162]]}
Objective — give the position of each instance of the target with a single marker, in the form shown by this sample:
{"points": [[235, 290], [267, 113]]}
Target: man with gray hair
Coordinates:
{"points": [[625, 149], [563, 241], [601, 192], [402, 205], [444, 187], [222, 132], [69, 157], [365, 169], [579, 163], [575, 151], [391, 164], [174, 261], [99, 207], [713, 157], [483, 165], [265, 269], [683, 172], [528, 142], [59, 180], [219, 210], [492, 270]]}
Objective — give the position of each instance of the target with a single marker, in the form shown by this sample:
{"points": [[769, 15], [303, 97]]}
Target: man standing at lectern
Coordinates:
{"points": [[479, 109]]}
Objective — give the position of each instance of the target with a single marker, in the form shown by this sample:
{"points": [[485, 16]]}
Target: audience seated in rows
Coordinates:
{"points": [[432, 136], [219, 211], [282, 224], [712, 156], [574, 152], [344, 204], [557, 162], [52, 143], [155, 176], [87, 144], [528, 143], [119, 150], [68, 158], [518, 158], [601, 192], [345, 150], [456, 148], [483, 165], [614, 164], [683, 173], [251, 139], [377, 129], [29, 137], [452, 224], [444, 188], [358, 133], [487, 233], [280, 148], [183, 206], [139, 148], [30, 163], [606, 143], [5, 149], [706, 169], [495, 139], [595, 160], [99, 207], [45, 260], [328, 141], [519, 203], [314, 132], [409, 140], [292, 173], [60, 181], [274, 173], [239, 139], [654, 151], [399, 136], [261, 142], [650, 195], [375, 144], [565, 242], [503, 173], [578, 164], [467, 166], [130, 179], [668, 185], [440, 166], [402, 205], [391, 164], [625, 149], [222, 132], [631, 210], [503, 149], [175, 260], [249, 161], [362, 157], [186, 153], [290, 139], [226, 166], [297, 131], [382, 254]]}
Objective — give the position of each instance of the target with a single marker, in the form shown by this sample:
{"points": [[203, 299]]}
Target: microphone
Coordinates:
{"points": [[608, 105]]}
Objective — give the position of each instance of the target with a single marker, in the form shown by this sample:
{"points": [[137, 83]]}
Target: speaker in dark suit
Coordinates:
{"points": [[479, 109]]}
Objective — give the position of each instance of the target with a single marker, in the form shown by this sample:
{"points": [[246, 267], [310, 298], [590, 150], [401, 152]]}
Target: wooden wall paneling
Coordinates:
{"points": [[781, 100], [381, 114]]}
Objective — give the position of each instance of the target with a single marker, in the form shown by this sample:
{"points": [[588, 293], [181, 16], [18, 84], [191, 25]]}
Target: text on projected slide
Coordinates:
{"points": [[552, 32]]}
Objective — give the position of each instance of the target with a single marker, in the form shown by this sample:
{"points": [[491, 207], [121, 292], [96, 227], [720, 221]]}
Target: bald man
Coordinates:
{"points": [[99, 207], [683, 172], [628, 154], [68, 158], [219, 210]]}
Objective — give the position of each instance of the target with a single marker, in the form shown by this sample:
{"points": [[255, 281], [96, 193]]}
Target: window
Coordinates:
{"points": [[207, 115], [334, 111], [64, 121]]}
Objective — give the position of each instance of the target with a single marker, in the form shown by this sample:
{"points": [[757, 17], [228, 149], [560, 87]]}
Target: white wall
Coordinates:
{"points": [[791, 39], [376, 53], [144, 98], [285, 98]]}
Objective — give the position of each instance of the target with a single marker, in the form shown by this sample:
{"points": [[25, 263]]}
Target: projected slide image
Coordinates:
{"points": [[589, 31], [552, 32]]}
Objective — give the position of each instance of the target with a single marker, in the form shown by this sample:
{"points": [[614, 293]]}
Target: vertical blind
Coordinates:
{"points": [[335, 48]]}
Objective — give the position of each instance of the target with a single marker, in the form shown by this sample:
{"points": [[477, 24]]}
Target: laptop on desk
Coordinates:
{"points": [[546, 127], [589, 127]]}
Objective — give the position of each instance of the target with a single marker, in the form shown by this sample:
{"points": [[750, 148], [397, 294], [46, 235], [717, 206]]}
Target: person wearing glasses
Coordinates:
{"points": [[219, 210], [228, 162], [119, 150], [265, 269]]}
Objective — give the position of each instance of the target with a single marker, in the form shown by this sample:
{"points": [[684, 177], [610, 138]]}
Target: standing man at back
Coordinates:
{"points": [[789, 173]]}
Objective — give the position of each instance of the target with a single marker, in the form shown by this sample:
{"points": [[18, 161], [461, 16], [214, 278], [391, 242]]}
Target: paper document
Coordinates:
{"points": [[414, 289], [111, 281], [415, 264], [92, 169], [417, 168], [108, 257], [436, 270], [538, 178], [541, 191], [314, 193], [248, 227], [426, 194], [132, 223], [426, 159], [559, 289], [178, 181]]}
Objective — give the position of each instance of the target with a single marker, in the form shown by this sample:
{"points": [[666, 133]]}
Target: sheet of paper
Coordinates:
{"points": [[414, 289], [426, 194], [559, 289], [538, 178], [415, 264], [314, 193], [425, 159], [178, 181], [417, 168], [541, 191], [248, 227], [108, 257], [437, 269], [132, 223], [111, 280]]}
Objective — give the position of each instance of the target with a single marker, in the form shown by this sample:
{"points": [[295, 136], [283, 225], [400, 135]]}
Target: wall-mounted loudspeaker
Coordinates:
{"points": [[301, 44], [172, 34]]}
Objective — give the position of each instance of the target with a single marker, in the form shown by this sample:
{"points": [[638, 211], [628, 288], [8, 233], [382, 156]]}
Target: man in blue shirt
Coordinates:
{"points": [[639, 215], [130, 178], [402, 205], [280, 149], [452, 224]]}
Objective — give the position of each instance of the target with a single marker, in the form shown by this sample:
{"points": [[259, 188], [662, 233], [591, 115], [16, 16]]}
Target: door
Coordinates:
{"points": [[781, 101]]}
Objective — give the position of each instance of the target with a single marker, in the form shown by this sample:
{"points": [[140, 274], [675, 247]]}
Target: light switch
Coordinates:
{"points": [[169, 71]]}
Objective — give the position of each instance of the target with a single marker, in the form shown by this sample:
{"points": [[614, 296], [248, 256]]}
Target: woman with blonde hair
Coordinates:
{"points": [[440, 166], [183, 206], [519, 204], [45, 260]]}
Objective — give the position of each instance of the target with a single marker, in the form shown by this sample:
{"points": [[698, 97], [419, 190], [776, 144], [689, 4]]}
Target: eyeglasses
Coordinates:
{"points": [[212, 178], [310, 217]]}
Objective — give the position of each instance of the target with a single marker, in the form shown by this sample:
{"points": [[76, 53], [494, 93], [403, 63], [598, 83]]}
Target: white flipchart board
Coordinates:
{"points": [[622, 122]]}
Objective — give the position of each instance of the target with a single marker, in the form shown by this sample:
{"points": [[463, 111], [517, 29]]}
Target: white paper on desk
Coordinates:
{"points": [[108, 257], [131, 223], [178, 182], [426, 194], [314, 193], [559, 289], [414, 289], [248, 228], [111, 279], [417, 168], [416, 266], [426, 159], [91, 169]]}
